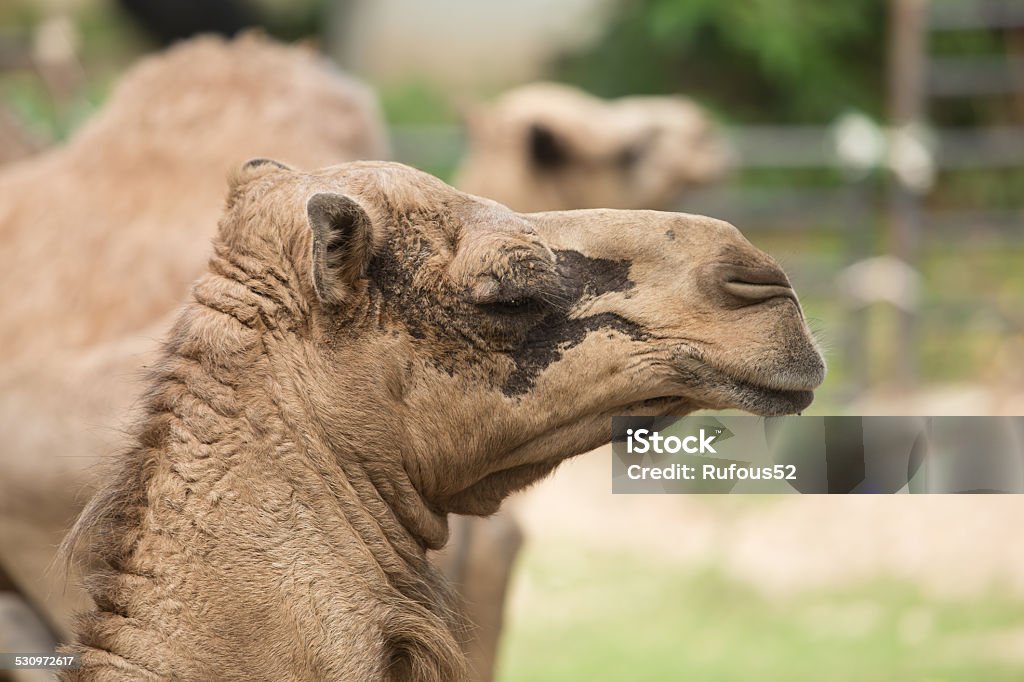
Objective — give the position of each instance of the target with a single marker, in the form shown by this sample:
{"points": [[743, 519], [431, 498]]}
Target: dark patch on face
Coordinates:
{"points": [[546, 343], [671, 234], [407, 284], [545, 150], [393, 284], [589, 277]]}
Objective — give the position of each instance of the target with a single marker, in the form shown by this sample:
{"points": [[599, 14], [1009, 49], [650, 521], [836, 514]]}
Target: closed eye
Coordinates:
{"points": [[524, 305]]}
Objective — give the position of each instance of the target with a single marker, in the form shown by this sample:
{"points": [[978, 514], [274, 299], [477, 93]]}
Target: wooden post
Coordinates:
{"points": [[859, 236], [906, 104]]}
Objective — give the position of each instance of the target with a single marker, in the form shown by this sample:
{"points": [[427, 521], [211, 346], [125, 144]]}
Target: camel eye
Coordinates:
{"points": [[525, 287], [520, 305]]}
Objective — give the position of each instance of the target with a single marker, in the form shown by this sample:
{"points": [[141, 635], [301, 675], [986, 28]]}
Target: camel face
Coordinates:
{"points": [[551, 147], [484, 346]]}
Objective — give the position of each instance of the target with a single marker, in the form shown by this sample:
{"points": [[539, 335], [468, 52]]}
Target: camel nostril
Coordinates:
{"points": [[758, 292], [755, 284]]}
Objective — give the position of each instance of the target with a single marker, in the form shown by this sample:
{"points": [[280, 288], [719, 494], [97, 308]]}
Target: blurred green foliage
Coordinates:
{"points": [[768, 61], [291, 20], [754, 61], [416, 102], [975, 110]]}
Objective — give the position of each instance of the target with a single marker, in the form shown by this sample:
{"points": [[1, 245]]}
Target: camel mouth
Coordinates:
{"points": [[760, 392]]}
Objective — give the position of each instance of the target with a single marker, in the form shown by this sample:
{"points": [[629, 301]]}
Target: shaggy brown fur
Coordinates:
{"points": [[370, 351], [100, 238], [545, 147]]}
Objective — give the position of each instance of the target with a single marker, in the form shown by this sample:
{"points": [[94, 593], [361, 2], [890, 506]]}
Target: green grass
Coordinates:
{"points": [[589, 615]]}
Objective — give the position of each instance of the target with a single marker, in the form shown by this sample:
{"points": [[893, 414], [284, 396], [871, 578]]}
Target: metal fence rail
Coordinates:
{"points": [[966, 15], [975, 76], [764, 146]]}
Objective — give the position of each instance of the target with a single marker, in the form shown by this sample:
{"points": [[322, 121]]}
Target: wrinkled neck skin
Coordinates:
{"points": [[247, 545]]}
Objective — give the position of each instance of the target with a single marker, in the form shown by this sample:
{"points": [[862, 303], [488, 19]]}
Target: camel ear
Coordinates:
{"points": [[253, 164], [249, 171], [342, 244], [254, 168], [545, 149]]}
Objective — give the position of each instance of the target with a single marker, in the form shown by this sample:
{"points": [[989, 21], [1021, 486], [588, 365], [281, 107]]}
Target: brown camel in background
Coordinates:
{"points": [[546, 147]]}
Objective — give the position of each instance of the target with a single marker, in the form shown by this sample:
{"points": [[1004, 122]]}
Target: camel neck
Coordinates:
{"points": [[347, 449], [229, 518], [242, 391]]}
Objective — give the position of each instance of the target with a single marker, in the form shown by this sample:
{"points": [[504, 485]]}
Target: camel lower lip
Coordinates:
{"points": [[755, 397], [759, 400], [772, 402]]}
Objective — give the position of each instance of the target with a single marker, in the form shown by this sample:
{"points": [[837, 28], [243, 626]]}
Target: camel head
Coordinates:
{"points": [[477, 348], [552, 147]]}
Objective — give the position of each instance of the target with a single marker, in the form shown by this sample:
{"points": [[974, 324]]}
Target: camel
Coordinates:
{"points": [[547, 146], [95, 376], [87, 348], [102, 236], [370, 351]]}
